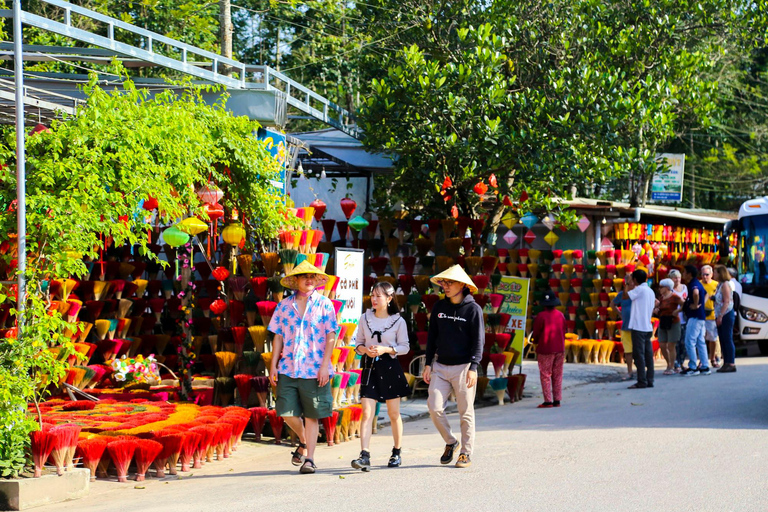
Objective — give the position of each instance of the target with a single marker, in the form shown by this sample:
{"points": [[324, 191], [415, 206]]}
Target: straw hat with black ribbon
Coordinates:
{"points": [[455, 273], [291, 280]]}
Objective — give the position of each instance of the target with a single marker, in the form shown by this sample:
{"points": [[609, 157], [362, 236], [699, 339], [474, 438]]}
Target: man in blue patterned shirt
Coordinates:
{"points": [[304, 326]]}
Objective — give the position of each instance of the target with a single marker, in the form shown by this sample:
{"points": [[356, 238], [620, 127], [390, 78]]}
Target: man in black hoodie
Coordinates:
{"points": [[454, 349]]}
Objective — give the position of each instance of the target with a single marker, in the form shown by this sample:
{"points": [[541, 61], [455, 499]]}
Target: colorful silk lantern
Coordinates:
{"points": [[319, 207], [233, 234], [348, 206], [174, 237], [210, 193], [192, 226]]}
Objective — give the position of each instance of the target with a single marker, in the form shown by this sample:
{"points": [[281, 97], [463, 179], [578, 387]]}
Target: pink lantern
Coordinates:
{"points": [[210, 193]]}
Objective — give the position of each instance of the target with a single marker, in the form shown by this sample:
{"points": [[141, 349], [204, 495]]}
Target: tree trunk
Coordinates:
{"points": [[225, 33]]}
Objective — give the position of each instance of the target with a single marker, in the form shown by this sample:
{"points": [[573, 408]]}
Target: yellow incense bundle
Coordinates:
{"points": [[443, 263], [447, 226], [259, 336], [423, 246], [225, 362], [270, 260], [394, 262], [392, 245], [453, 247]]}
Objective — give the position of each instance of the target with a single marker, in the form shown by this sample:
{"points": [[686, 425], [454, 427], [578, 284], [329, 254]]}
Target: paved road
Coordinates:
{"points": [[694, 443]]}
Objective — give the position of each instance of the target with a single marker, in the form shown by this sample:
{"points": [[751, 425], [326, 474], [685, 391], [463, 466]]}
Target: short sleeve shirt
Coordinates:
{"points": [[303, 338], [643, 301]]}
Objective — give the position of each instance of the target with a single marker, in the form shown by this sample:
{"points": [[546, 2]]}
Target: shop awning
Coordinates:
{"points": [[338, 154]]}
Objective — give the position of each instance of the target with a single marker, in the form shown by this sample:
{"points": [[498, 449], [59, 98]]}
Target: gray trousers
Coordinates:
{"points": [[642, 352], [443, 380]]}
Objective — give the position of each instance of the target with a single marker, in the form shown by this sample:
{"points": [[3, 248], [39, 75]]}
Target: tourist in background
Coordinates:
{"points": [[710, 325], [549, 329], [681, 291], [695, 345], [624, 303], [668, 310], [643, 302], [724, 316]]}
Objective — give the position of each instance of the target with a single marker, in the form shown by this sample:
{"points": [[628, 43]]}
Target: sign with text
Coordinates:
{"points": [[515, 292], [349, 270], [667, 184]]}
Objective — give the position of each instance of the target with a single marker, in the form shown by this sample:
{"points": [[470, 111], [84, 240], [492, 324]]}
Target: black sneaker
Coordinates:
{"points": [[395, 460], [728, 368], [363, 462], [705, 371], [447, 457]]}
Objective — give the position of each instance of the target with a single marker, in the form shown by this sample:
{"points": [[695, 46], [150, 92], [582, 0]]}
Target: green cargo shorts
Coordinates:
{"points": [[303, 397]]}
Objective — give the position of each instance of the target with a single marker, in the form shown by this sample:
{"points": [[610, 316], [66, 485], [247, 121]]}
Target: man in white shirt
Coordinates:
{"points": [[643, 302]]}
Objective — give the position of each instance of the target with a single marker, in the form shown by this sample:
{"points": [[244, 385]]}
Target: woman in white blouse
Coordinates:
{"points": [[382, 335]]}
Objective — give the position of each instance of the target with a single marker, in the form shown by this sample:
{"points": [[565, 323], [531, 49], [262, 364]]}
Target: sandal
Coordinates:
{"points": [[308, 467], [669, 372], [296, 457]]}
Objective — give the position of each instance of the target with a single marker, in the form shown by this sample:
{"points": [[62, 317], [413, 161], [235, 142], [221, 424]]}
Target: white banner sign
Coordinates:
{"points": [[349, 269], [667, 184]]}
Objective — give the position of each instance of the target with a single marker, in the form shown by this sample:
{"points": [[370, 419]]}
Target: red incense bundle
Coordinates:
{"points": [[266, 310], [258, 418], [191, 443], [223, 436], [121, 452], [243, 382], [207, 434], [42, 444], [147, 451], [259, 286], [329, 425], [90, 452], [172, 444], [276, 422]]}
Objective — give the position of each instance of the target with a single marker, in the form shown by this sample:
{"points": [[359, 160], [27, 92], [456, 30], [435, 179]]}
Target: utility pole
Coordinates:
{"points": [[21, 176], [225, 33]]}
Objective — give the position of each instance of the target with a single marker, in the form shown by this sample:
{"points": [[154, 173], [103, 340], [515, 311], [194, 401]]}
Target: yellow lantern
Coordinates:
{"points": [[192, 226], [233, 234]]}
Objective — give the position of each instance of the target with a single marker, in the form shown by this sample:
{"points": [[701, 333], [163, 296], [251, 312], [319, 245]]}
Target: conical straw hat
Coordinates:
{"points": [[290, 281], [455, 273]]}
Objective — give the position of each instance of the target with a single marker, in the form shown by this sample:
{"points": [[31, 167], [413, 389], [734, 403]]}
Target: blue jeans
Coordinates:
{"points": [[694, 340], [725, 333]]}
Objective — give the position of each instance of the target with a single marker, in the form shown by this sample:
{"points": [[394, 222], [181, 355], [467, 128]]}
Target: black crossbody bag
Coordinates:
{"points": [[366, 364]]}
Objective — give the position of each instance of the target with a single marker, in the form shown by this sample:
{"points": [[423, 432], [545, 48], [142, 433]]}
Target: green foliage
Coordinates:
{"points": [[549, 98], [85, 179]]}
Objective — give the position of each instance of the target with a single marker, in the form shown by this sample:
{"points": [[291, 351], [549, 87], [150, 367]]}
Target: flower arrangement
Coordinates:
{"points": [[135, 369]]}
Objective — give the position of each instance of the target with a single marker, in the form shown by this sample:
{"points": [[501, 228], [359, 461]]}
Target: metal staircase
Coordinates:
{"points": [[171, 54]]}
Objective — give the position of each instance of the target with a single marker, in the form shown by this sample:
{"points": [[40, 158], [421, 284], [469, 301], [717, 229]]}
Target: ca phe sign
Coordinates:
{"points": [[349, 270]]}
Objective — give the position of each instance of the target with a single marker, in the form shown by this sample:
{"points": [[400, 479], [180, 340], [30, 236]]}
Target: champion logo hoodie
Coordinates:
{"points": [[456, 333]]}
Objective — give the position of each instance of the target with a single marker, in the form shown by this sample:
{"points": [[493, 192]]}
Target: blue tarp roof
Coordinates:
{"points": [[346, 149]]}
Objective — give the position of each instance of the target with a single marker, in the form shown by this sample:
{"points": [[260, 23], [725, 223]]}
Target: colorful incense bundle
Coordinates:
{"points": [[191, 442], [258, 336], [276, 423], [288, 259], [42, 444], [329, 426], [335, 388], [172, 444], [422, 284], [243, 382], [224, 388], [207, 434], [226, 362], [346, 418], [269, 261], [121, 453], [146, 452], [66, 444], [221, 441], [90, 452], [258, 418], [245, 263], [237, 284], [499, 386], [260, 386], [266, 310], [498, 360], [259, 287]]}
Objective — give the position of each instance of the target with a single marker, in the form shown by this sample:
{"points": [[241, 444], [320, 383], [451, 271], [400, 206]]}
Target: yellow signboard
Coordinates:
{"points": [[515, 291]]}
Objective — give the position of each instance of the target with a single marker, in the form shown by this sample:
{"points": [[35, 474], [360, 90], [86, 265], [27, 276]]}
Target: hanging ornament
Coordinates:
{"points": [[529, 220], [493, 181], [510, 237], [214, 211], [348, 207], [358, 223], [480, 188], [523, 196], [150, 203], [218, 306], [192, 226], [551, 238], [233, 234], [509, 220], [210, 193], [319, 207], [174, 237], [507, 201], [220, 273], [583, 223], [549, 221], [455, 212], [529, 237]]}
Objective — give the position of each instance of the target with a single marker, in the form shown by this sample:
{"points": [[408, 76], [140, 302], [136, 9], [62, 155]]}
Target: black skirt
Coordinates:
{"points": [[386, 380]]}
